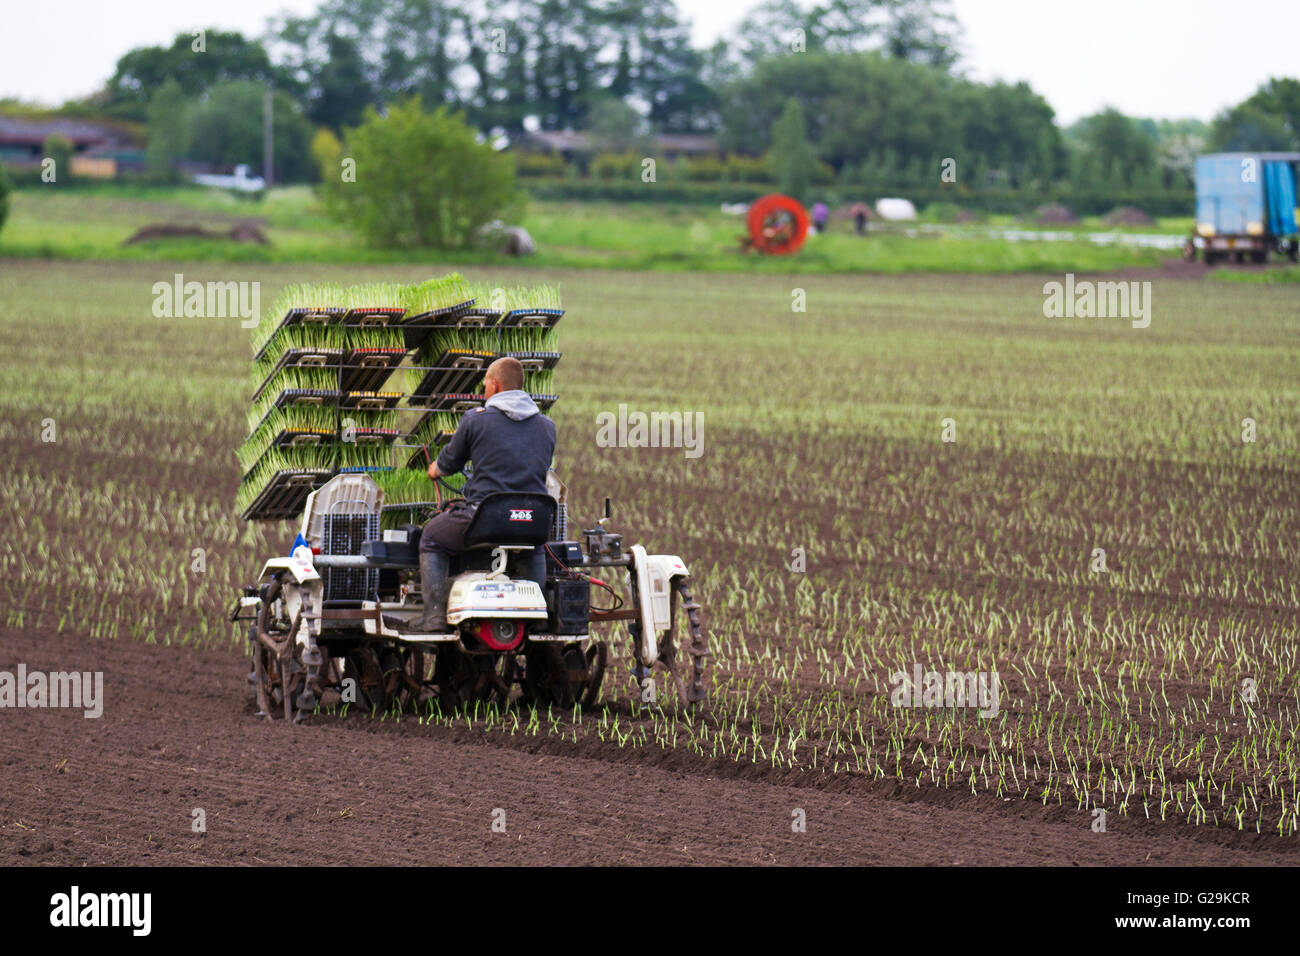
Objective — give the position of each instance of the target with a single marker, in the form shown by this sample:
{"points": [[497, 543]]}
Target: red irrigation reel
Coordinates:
{"points": [[777, 225]]}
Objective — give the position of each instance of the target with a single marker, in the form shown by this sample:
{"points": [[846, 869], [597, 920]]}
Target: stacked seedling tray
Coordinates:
{"points": [[456, 332], [320, 360], [326, 399]]}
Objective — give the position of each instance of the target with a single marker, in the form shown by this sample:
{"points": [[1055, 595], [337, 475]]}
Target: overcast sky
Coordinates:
{"points": [[1161, 58]]}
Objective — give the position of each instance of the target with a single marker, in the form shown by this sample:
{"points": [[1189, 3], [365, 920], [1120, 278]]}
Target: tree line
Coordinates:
{"points": [[877, 86]]}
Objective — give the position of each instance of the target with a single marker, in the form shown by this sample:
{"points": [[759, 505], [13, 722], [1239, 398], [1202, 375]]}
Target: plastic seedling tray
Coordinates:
{"points": [[377, 316], [302, 436], [299, 317], [456, 370], [534, 361], [449, 401], [299, 396], [285, 494], [290, 438], [416, 328], [319, 357], [362, 434], [369, 401], [460, 402], [409, 506], [367, 369], [477, 318], [546, 318]]}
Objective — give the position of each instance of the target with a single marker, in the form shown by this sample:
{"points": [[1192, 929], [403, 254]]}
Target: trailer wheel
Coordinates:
{"points": [[1259, 256], [1189, 250]]}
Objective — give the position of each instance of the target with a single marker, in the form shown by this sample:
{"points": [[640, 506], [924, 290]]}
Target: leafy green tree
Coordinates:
{"points": [[167, 132], [1268, 120], [225, 128], [1178, 143], [349, 55], [1011, 128], [888, 123], [776, 27], [225, 55], [422, 179], [667, 70], [500, 61], [921, 31], [792, 158], [327, 155], [1121, 150], [615, 127], [342, 90], [855, 104]]}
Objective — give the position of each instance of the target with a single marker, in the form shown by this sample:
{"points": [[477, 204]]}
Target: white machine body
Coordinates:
{"points": [[301, 591], [651, 577], [481, 595]]}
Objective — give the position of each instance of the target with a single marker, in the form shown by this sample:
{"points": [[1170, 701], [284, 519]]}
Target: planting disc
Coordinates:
{"points": [[777, 225]]}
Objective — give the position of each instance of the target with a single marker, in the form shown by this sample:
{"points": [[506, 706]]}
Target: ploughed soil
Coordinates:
{"points": [[1177, 267], [178, 734]]}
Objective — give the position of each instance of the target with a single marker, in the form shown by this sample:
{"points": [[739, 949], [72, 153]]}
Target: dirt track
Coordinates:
{"points": [[177, 734]]}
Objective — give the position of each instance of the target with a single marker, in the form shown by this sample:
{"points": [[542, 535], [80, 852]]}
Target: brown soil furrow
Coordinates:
{"points": [[177, 733]]}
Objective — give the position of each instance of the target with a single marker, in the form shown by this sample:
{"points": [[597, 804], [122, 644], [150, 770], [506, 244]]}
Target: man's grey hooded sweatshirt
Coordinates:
{"points": [[510, 442]]}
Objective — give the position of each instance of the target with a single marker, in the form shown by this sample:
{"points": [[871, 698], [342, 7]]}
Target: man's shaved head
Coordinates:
{"points": [[507, 373]]}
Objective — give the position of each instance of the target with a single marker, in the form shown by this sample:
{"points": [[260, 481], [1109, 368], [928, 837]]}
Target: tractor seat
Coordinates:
{"points": [[511, 519]]}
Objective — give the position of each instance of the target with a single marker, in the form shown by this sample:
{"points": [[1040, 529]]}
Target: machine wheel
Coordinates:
{"points": [[546, 676], [682, 652], [597, 656], [562, 677], [1293, 250], [465, 679], [362, 666], [1189, 250], [415, 683], [278, 676]]}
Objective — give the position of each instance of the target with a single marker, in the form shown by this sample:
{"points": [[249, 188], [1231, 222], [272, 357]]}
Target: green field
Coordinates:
{"points": [[823, 431], [94, 222]]}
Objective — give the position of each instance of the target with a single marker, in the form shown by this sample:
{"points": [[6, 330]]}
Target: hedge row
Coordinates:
{"points": [[1085, 202]]}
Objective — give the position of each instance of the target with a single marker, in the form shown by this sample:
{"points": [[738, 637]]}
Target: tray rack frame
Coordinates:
{"points": [[451, 383]]}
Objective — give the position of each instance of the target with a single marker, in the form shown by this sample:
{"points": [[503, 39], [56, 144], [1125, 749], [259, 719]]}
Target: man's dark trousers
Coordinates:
{"points": [[444, 533]]}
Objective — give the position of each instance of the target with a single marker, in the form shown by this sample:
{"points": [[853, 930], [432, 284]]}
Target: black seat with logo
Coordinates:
{"points": [[511, 518]]}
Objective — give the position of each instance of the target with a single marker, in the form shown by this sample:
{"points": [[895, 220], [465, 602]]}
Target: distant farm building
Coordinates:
{"points": [[99, 149]]}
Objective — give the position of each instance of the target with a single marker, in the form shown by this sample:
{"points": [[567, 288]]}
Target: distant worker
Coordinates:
{"points": [[511, 444], [860, 216], [820, 215]]}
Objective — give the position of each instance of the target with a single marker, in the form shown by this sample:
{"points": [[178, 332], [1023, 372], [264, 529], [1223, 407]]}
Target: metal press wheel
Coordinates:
{"points": [[466, 679], [278, 677]]}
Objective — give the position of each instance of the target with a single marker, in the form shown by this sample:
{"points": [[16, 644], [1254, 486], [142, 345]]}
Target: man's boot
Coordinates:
{"points": [[433, 591]]}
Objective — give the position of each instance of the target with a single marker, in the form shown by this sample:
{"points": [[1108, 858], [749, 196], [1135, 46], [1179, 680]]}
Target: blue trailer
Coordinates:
{"points": [[1246, 206]]}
